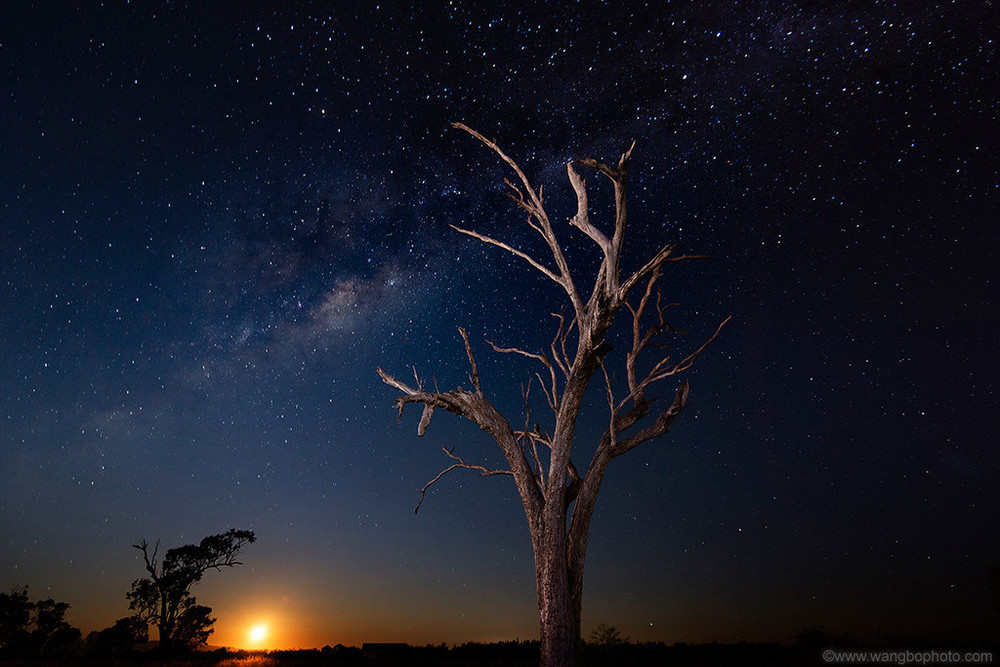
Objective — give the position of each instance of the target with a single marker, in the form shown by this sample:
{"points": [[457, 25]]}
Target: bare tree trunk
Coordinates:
{"points": [[166, 642], [165, 627], [558, 617]]}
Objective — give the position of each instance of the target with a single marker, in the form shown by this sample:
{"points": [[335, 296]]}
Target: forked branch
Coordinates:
{"points": [[150, 561], [531, 201], [660, 427], [658, 260], [474, 406], [552, 390]]}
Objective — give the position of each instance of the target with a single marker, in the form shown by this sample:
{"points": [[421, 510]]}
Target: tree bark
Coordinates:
{"points": [[559, 619]]}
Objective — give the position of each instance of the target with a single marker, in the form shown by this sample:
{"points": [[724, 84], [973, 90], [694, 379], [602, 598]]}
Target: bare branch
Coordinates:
{"points": [[639, 341], [612, 428], [660, 370], [534, 437], [625, 157], [610, 172], [582, 218], [533, 213], [533, 204], [393, 382], [662, 424], [525, 393], [659, 259], [689, 360], [516, 350], [475, 407], [550, 395], [501, 244], [561, 334], [536, 200], [483, 472], [472, 361], [453, 401], [552, 392], [606, 283], [150, 561], [528, 440], [425, 419]]}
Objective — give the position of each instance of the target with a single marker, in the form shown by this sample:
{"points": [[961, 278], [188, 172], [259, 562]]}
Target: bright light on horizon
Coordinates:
{"points": [[258, 633]]}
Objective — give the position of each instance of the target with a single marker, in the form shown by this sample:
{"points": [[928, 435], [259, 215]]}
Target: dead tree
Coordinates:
{"points": [[558, 500]]}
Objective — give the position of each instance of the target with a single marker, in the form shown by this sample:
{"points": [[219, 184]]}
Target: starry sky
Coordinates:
{"points": [[217, 219]]}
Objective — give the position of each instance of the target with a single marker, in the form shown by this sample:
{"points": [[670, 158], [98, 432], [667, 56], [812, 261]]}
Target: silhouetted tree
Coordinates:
{"points": [[34, 629], [604, 635], [558, 499], [194, 625], [15, 620], [164, 597], [123, 636]]}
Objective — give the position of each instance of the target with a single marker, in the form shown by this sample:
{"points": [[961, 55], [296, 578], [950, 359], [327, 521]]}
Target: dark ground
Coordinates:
{"points": [[812, 649]]}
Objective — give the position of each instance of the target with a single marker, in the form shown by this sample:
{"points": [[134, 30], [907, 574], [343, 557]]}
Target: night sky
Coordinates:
{"points": [[217, 219]]}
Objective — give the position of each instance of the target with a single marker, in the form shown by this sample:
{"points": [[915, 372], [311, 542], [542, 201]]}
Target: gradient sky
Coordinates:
{"points": [[218, 218]]}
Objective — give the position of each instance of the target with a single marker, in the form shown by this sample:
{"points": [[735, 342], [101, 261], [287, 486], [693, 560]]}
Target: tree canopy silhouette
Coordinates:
{"points": [[121, 637], [558, 498], [34, 629], [605, 635], [164, 597]]}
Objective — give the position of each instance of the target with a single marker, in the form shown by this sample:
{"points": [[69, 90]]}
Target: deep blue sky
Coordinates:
{"points": [[218, 218]]}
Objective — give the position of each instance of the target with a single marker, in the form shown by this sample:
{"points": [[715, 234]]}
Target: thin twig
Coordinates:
{"points": [[483, 472]]}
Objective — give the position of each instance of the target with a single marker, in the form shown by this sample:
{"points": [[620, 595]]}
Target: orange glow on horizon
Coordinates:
{"points": [[254, 633]]}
